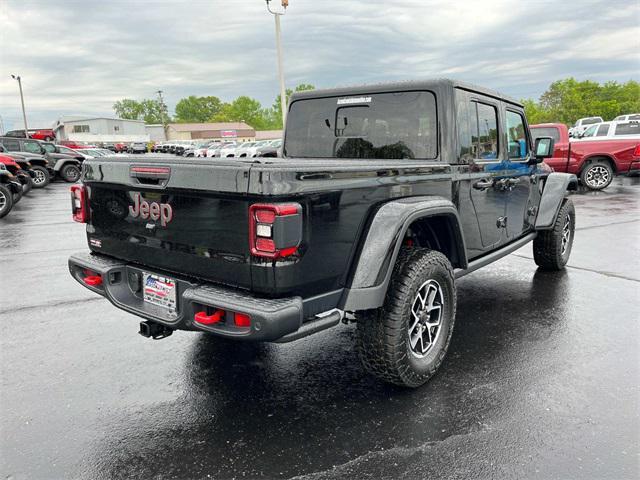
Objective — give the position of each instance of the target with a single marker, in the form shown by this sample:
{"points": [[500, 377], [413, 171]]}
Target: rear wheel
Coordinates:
{"points": [[70, 173], [6, 201], [597, 175], [552, 248], [42, 177], [405, 341]]}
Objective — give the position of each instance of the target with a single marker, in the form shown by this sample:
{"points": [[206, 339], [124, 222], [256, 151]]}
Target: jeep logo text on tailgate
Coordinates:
{"points": [[153, 210]]}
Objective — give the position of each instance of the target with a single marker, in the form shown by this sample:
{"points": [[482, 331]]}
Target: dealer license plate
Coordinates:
{"points": [[159, 290]]}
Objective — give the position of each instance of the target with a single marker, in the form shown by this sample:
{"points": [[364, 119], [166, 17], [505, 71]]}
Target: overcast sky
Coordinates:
{"points": [[80, 56]]}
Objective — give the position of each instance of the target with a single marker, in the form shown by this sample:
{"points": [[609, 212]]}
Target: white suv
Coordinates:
{"points": [[582, 124], [611, 131]]}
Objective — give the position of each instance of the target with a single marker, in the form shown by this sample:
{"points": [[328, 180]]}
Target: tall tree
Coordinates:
{"points": [[148, 110], [276, 110], [567, 100], [243, 109], [197, 109]]}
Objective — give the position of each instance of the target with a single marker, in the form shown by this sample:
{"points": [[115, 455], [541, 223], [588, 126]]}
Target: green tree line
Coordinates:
{"points": [[193, 109], [565, 101]]}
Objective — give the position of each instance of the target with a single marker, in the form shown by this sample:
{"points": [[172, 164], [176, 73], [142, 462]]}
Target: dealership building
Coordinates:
{"points": [[239, 131], [100, 129]]}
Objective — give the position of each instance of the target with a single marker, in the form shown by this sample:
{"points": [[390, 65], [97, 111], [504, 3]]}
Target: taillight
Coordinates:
{"points": [[79, 207], [275, 229], [636, 152]]}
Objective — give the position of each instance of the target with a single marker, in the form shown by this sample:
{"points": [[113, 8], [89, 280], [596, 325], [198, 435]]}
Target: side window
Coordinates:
{"points": [[464, 112], [516, 136], [590, 132], [603, 130], [32, 147], [632, 128], [487, 131], [11, 145]]}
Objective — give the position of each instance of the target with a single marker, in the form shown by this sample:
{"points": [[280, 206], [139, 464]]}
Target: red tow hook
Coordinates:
{"points": [[93, 280], [204, 319]]}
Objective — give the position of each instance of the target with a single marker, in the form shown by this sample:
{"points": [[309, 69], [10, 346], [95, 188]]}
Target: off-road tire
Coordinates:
{"points": [[26, 187], [70, 173], [42, 178], [548, 245], [17, 196], [597, 175], [383, 334], [6, 200]]}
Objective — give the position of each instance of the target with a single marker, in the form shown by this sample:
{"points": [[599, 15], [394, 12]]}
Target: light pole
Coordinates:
{"points": [[283, 93], [24, 113], [163, 115]]}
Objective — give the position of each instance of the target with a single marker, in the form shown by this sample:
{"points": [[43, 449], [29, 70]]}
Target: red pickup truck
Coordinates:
{"points": [[595, 162]]}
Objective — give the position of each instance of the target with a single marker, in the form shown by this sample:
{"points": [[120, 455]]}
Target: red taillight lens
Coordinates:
{"points": [[242, 320], [636, 152], [275, 229], [79, 207]]}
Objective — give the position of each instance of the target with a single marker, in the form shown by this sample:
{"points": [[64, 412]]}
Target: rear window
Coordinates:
{"points": [[632, 128], [384, 125], [546, 132], [592, 120]]}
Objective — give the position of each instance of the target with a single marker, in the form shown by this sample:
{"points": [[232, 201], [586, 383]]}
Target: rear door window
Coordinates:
{"points": [[487, 131], [603, 130]]}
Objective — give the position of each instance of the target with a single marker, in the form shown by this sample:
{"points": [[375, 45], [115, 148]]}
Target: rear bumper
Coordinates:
{"points": [[634, 168], [271, 319]]}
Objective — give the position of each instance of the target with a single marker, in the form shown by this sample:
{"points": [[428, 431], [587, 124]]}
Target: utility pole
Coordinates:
{"points": [[283, 92], [163, 115], [24, 113]]}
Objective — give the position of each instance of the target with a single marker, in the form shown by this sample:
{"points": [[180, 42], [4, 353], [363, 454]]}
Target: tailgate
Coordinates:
{"points": [[186, 216]]}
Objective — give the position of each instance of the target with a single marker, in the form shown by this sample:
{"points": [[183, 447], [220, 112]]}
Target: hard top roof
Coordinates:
{"points": [[425, 84]]}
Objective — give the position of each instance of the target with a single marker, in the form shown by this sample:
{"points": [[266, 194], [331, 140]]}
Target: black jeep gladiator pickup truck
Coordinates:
{"points": [[384, 196]]}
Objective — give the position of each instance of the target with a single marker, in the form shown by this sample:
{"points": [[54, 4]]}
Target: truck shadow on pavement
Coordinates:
{"points": [[285, 410]]}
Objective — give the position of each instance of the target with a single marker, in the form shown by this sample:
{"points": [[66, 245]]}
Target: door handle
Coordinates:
{"points": [[483, 184]]}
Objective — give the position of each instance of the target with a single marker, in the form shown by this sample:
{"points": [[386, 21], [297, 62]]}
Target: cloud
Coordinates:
{"points": [[80, 56]]}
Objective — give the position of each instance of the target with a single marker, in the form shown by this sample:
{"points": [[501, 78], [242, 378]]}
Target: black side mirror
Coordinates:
{"points": [[543, 147]]}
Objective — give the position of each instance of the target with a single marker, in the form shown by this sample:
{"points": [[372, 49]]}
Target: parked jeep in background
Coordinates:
{"points": [[386, 194], [65, 165], [34, 154], [594, 161]]}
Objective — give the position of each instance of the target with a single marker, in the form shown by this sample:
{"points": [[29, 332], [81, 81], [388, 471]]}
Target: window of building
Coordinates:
{"points": [[116, 128], [516, 136], [81, 129]]}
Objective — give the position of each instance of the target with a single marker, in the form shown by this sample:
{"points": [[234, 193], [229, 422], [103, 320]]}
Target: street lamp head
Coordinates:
{"points": [[14, 77]]}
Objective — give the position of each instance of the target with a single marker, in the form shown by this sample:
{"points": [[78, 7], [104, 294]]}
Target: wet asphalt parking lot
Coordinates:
{"points": [[541, 379]]}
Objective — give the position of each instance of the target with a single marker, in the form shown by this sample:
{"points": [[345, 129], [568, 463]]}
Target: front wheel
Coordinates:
{"points": [[70, 173], [552, 248], [42, 177], [597, 175], [6, 201], [405, 341]]}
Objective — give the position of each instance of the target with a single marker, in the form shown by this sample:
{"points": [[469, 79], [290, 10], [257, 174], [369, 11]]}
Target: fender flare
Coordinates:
{"points": [[553, 194], [64, 161], [381, 246]]}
